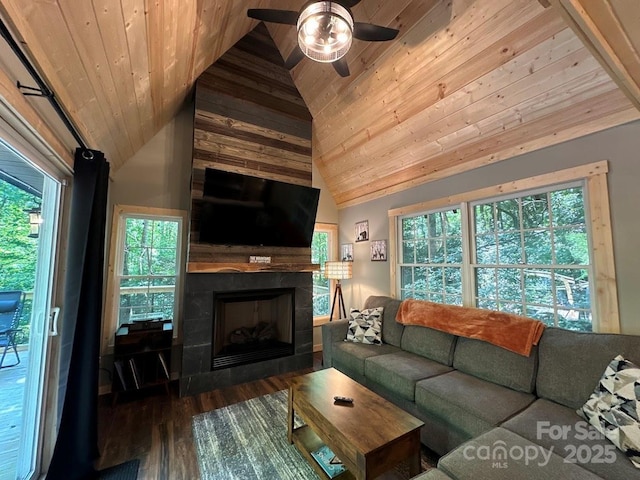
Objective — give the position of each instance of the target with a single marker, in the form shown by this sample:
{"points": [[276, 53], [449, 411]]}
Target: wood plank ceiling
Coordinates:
{"points": [[465, 84]]}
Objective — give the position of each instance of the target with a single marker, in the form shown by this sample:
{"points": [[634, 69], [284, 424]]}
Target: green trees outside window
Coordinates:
{"points": [[148, 269], [527, 255], [18, 251], [320, 254]]}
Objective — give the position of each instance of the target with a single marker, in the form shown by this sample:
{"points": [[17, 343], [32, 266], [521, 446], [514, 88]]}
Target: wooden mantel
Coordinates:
{"points": [[203, 267]]}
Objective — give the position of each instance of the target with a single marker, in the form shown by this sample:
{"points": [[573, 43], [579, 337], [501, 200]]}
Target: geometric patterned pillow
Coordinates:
{"points": [[365, 326], [614, 407]]}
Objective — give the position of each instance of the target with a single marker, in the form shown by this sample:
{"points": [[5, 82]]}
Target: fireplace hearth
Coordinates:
{"points": [[281, 300]]}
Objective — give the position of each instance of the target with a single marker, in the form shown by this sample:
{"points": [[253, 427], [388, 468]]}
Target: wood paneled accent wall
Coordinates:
{"points": [[249, 119]]}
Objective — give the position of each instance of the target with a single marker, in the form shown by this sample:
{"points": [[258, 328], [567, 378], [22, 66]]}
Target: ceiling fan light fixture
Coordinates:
{"points": [[325, 31]]}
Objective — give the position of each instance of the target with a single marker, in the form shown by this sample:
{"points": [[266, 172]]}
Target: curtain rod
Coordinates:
{"points": [[42, 87]]}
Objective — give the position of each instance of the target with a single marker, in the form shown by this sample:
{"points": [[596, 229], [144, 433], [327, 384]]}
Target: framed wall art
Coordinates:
{"points": [[362, 231], [346, 252], [378, 250]]}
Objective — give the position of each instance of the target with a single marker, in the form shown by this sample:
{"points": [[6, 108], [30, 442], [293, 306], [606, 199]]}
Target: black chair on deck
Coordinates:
{"points": [[10, 309]]}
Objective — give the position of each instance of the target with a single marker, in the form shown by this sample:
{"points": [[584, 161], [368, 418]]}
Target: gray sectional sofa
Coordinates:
{"points": [[488, 412]]}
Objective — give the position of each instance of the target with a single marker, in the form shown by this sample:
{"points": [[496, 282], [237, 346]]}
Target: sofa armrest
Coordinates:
{"points": [[332, 332]]}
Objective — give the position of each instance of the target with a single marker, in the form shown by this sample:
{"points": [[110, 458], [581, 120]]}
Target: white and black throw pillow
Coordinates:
{"points": [[365, 326], [614, 407]]}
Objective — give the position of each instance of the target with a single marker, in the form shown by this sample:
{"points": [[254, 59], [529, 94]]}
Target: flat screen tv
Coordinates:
{"points": [[242, 209]]}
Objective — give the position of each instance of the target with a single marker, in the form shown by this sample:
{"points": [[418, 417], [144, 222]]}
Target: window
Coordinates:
{"points": [[532, 257], [527, 253], [324, 247], [145, 264], [431, 267]]}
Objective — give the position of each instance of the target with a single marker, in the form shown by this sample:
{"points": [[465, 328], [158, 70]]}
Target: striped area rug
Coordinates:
{"points": [[248, 441]]}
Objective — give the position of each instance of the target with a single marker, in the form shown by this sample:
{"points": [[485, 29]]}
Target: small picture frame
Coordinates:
{"points": [[362, 231], [378, 250], [346, 252]]}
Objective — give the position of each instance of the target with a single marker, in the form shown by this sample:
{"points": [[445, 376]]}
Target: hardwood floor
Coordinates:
{"points": [[157, 428]]}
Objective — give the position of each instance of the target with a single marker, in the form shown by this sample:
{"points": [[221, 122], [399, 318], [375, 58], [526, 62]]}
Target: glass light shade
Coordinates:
{"points": [[337, 270], [325, 31], [35, 220]]}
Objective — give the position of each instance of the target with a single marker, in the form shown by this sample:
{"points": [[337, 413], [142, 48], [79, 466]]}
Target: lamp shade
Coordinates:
{"points": [[325, 31], [337, 270]]}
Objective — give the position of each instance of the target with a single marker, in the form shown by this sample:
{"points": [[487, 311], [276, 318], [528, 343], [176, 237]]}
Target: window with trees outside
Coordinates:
{"points": [[324, 247], [145, 260], [527, 253]]}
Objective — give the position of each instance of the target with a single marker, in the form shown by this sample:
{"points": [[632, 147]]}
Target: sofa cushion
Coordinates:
{"points": [[391, 330], [503, 455], [612, 408], [495, 364], [399, 372], [560, 429], [365, 326], [469, 404], [432, 474], [352, 355], [332, 333], [571, 363], [430, 343]]}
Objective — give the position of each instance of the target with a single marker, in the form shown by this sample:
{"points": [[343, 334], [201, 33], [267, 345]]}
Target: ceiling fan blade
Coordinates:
{"points": [[373, 33], [294, 58], [288, 17], [348, 3], [341, 67]]}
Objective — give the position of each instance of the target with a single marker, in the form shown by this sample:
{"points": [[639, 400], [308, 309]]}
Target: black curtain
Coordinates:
{"points": [[76, 446]]}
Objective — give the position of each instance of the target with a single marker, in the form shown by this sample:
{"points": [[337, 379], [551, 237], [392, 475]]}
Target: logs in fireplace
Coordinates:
{"points": [[262, 332]]}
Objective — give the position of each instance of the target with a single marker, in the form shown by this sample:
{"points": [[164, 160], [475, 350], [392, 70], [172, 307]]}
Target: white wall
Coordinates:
{"points": [[159, 174], [619, 145], [327, 210]]}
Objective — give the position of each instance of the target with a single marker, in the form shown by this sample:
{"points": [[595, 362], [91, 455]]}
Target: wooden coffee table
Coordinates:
{"points": [[370, 437]]}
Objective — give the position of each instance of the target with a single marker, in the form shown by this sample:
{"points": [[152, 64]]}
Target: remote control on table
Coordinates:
{"points": [[341, 399]]}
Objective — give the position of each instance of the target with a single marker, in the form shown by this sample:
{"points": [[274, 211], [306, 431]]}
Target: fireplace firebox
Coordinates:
{"points": [[252, 325]]}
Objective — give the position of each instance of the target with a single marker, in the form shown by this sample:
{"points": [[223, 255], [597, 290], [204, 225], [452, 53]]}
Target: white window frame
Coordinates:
{"points": [[594, 180], [112, 296]]}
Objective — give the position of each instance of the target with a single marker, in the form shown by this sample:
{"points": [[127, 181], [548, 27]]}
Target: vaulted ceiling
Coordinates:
{"points": [[466, 82]]}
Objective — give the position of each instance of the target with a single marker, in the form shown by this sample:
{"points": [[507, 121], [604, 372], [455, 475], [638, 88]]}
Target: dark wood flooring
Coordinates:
{"points": [[156, 428]]}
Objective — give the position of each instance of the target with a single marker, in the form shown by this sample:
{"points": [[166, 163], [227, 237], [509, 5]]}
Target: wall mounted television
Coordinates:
{"points": [[240, 209]]}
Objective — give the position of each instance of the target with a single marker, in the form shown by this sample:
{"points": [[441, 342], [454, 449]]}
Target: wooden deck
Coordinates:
{"points": [[12, 381]]}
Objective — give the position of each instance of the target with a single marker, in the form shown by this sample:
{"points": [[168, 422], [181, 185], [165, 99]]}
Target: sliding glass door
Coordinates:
{"points": [[29, 218]]}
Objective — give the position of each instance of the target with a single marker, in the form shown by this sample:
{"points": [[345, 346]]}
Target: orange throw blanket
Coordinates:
{"points": [[512, 332]]}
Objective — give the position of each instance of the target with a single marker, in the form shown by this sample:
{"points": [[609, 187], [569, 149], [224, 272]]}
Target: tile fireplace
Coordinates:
{"points": [[240, 327]]}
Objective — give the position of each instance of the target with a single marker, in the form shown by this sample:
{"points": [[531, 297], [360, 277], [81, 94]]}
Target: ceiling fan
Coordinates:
{"points": [[325, 31]]}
